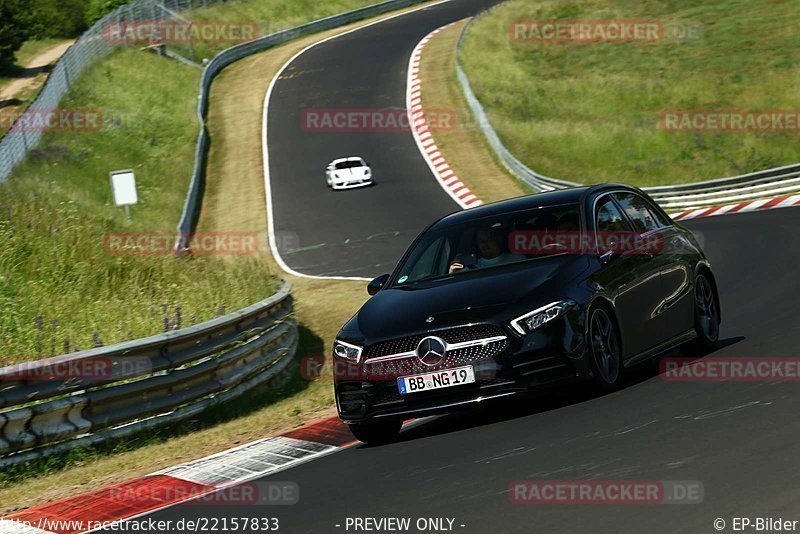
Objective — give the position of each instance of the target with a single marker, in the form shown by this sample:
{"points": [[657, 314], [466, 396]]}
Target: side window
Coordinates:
{"points": [[640, 215], [609, 218]]}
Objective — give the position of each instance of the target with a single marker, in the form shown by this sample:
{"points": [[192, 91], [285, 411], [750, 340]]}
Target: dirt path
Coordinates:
{"points": [[20, 86]]}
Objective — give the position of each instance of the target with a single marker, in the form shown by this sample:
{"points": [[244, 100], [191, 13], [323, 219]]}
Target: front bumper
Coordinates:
{"points": [[550, 356], [352, 184]]}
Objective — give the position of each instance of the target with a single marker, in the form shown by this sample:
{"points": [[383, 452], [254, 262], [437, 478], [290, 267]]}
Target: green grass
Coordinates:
{"points": [[58, 281], [59, 286], [269, 16], [590, 112]]}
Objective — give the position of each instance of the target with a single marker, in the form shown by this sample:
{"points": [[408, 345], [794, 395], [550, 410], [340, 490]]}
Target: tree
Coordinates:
{"points": [[14, 30], [96, 9], [56, 18]]}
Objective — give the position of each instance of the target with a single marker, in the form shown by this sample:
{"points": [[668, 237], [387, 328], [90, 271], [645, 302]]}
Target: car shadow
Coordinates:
{"points": [[554, 398]]}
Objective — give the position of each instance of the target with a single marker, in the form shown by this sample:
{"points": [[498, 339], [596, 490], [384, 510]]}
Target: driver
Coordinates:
{"points": [[491, 243]]}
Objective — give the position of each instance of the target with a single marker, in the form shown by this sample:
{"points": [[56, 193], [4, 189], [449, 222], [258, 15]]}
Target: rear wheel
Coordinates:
{"points": [[606, 349], [706, 312], [376, 432]]}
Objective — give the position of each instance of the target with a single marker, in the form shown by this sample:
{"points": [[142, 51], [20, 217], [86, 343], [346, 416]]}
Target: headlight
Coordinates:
{"points": [[367, 172], [525, 324], [346, 351]]}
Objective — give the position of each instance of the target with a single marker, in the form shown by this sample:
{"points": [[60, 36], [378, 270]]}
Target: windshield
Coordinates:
{"points": [[489, 242], [350, 164]]}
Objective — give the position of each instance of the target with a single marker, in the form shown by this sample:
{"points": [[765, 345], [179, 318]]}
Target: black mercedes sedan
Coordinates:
{"points": [[569, 285]]}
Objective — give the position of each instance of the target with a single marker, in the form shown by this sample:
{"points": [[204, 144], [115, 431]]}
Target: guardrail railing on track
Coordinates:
{"points": [[59, 403], [771, 182]]}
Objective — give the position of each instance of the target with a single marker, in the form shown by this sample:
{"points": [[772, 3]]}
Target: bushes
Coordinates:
{"points": [[12, 31], [22, 20]]}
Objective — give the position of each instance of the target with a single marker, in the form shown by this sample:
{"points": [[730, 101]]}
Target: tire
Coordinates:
{"points": [[376, 433], [706, 312], [605, 349]]}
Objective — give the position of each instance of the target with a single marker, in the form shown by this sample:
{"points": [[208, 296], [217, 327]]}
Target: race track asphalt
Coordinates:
{"points": [[358, 232], [738, 439]]}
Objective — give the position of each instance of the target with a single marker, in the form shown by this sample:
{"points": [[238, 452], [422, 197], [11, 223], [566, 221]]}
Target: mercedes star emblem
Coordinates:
{"points": [[431, 350]]}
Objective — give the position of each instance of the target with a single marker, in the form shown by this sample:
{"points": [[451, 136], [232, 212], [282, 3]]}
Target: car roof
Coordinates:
{"points": [[570, 195]]}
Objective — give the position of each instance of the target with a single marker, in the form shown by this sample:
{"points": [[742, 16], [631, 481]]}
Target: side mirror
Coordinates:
{"points": [[377, 284]]}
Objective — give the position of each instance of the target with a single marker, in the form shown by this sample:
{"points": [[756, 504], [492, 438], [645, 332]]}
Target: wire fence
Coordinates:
{"points": [[106, 35]]}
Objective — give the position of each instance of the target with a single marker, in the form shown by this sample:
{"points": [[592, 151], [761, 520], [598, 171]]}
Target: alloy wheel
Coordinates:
{"points": [[605, 346], [706, 309]]}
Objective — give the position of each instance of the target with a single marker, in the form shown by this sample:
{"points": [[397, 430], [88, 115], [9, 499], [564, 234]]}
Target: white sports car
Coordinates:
{"points": [[347, 173]]}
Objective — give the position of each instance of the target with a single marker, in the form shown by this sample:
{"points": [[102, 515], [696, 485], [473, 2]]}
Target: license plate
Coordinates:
{"points": [[437, 380]]}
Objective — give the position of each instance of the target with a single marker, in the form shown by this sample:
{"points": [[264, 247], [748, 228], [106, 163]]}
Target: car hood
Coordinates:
{"points": [[353, 173], [499, 294]]}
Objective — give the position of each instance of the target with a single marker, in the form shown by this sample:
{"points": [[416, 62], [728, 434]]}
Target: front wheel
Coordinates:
{"points": [[706, 312], [376, 433], [606, 349]]}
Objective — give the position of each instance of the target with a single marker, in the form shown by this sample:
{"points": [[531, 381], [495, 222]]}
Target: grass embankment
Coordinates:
{"points": [[62, 287], [257, 18], [234, 202], [463, 145], [589, 112]]}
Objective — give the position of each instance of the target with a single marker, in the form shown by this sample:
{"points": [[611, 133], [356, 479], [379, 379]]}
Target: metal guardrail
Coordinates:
{"points": [[771, 182], [137, 385], [59, 403], [194, 198]]}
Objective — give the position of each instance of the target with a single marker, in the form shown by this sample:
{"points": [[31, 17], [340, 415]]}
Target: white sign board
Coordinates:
{"points": [[123, 184]]}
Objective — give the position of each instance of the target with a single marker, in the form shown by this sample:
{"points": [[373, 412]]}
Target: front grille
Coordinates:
{"points": [[412, 365], [478, 352], [451, 335]]}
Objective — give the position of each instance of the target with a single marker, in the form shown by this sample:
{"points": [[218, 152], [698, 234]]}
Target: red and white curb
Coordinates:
{"points": [[742, 207], [424, 138], [181, 483], [466, 199]]}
